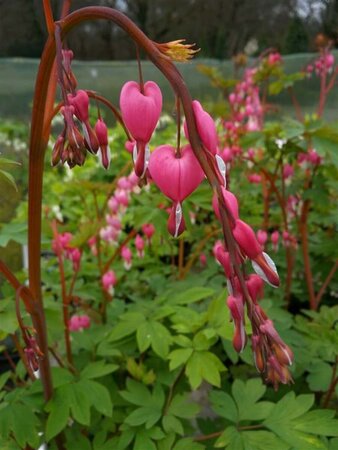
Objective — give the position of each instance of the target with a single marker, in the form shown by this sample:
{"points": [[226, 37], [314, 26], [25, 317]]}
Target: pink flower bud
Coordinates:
{"points": [[227, 155], [230, 201], [275, 239], [255, 286], [203, 259], [236, 307], [148, 230], [246, 239], [126, 255], [254, 178], [262, 237], [205, 126], [129, 146], [124, 183], [223, 258], [114, 222], [78, 323], [109, 280], [75, 256], [84, 321], [122, 198], [314, 158], [113, 205], [288, 171], [101, 131], [139, 244]]}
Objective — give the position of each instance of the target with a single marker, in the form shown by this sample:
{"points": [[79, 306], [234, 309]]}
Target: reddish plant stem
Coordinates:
{"points": [[333, 383], [47, 8], [180, 257], [303, 230], [64, 296], [322, 94], [296, 105], [130, 236], [326, 283]]}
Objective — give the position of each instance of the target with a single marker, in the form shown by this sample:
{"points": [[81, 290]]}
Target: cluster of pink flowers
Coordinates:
{"points": [[309, 159], [79, 323], [61, 246], [78, 136], [322, 65]]}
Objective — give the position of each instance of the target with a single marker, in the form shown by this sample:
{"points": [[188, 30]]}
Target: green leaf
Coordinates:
{"points": [[204, 366], [24, 425], [3, 379], [230, 437], [263, 440], [172, 424], [181, 406], [224, 405], [9, 178], [128, 325], [98, 369], [98, 396], [136, 393], [320, 376], [80, 407], [319, 422], [179, 357], [59, 412], [145, 415], [143, 442], [246, 395], [188, 444], [155, 334], [191, 295]]}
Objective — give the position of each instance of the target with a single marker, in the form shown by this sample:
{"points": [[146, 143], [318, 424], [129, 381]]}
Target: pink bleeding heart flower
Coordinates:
{"points": [[215, 249], [203, 260], [101, 131], [275, 239], [140, 112], [113, 205], [205, 126], [122, 198], [114, 222], [129, 146], [236, 307], [246, 239], [254, 178], [255, 286], [177, 176], [231, 203], [75, 255], [80, 103], [288, 171], [139, 244], [78, 323], [109, 280], [126, 255], [148, 230], [262, 237]]}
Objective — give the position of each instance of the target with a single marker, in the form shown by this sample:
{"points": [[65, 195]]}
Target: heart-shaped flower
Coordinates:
{"points": [[176, 176], [141, 111]]}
